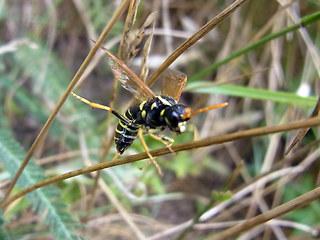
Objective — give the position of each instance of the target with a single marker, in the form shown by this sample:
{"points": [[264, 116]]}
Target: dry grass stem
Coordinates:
{"points": [[273, 213], [109, 194], [303, 132], [231, 173], [72, 84], [159, 152], [193, 39]]}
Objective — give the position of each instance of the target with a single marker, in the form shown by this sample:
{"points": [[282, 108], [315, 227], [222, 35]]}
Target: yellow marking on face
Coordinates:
{"points": [[182, 126], [162, 112]]}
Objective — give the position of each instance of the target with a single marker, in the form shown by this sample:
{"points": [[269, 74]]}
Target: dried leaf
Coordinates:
{"points": [[150, 20], [147, 47], [127, 38], [132, 38]]}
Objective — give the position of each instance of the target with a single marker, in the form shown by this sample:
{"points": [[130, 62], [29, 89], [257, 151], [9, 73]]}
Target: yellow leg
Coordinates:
{"points": [[115, 156], [100, 106], [152, 159], [92, 104], [165, 140]]}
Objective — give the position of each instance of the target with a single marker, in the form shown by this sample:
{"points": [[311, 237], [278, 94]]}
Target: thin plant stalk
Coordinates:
{"points": [[193, 39], [107, 141], [304, 22], [62, 100], [162, 151], [271, 214]]}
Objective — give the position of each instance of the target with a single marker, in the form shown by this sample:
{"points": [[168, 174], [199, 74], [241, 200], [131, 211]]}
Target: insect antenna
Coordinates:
{"points": [[189, 114]]}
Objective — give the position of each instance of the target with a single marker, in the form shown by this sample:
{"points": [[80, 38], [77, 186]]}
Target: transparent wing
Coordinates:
{"points": [[128, 78], [173, 83]]}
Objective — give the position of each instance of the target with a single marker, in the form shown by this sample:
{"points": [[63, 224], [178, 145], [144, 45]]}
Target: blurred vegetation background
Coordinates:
{"points": [[43, 43]]}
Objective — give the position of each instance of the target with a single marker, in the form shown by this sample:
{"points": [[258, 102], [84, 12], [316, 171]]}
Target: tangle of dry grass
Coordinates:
{"points": [[259, 181]]}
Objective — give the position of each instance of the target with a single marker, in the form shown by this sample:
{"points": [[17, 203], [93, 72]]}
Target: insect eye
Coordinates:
{"points": [[174, 119], [173, 115]]}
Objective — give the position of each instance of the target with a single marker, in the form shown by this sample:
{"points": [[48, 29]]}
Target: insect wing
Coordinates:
{"points": [[128, 78], [121, 76], [173, 83]]}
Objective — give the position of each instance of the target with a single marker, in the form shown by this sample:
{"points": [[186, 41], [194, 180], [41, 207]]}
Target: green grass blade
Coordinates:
{"points": [[253, 93], [304, 22]]}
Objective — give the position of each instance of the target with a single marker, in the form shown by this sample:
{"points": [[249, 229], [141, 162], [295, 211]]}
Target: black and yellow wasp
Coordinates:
{"points": [[153, 111]]}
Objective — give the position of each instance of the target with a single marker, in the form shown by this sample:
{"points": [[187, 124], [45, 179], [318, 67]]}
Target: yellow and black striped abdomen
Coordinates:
{"points": [[125, 133]]}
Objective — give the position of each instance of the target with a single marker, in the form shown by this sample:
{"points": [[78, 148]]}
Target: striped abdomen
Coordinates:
{"points": [[125, 134]]}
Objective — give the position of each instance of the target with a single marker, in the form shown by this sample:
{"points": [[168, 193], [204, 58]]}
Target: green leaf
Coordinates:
{"points": [[309, 214], [46, 199], [253, 93], [3, 234], [221, 196]]}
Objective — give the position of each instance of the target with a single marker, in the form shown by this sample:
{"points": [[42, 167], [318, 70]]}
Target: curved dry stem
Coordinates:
{"points": [[162, 151], [239, 199], [193, 39], [61, 101], [273, 213]]}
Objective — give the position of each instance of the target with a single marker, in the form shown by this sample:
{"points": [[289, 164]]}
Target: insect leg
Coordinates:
{"points": [[164, 139], [152, 159], [115, 156], [103, 107]]}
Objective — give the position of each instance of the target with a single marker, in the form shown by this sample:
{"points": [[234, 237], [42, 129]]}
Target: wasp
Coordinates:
{"points": [[153, 111]]}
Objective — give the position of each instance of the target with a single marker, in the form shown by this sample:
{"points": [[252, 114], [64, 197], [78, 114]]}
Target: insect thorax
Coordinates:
{"points": [[149, 114]]}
